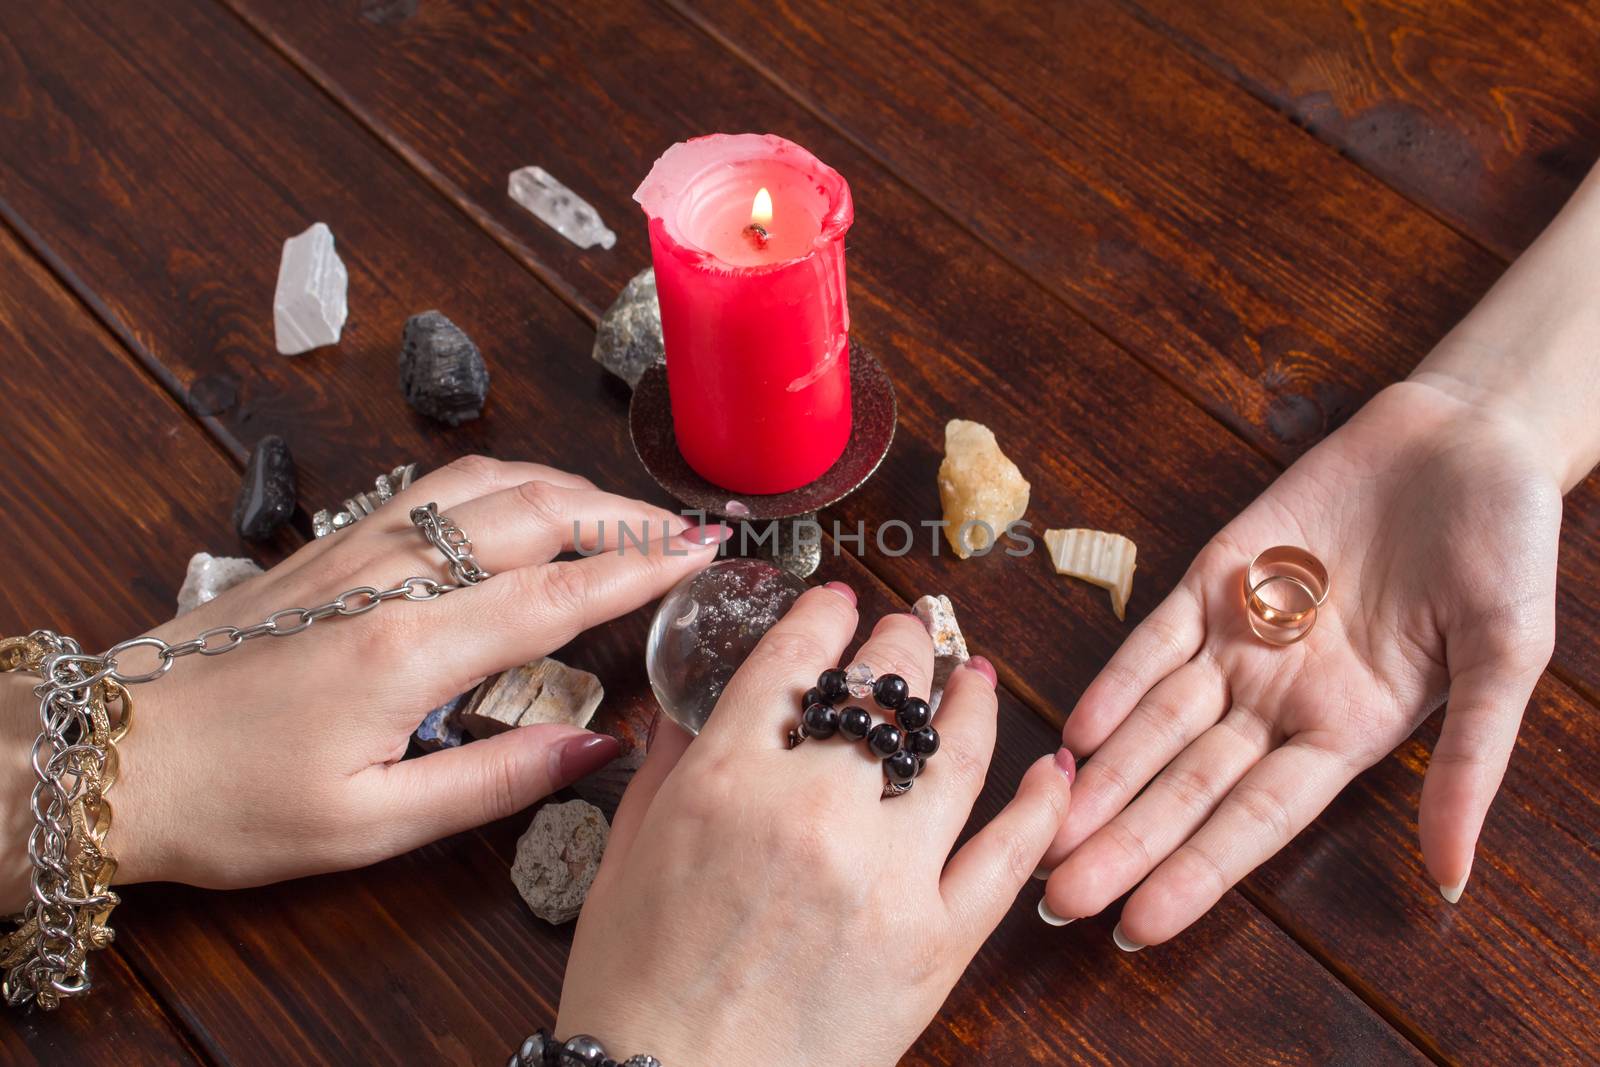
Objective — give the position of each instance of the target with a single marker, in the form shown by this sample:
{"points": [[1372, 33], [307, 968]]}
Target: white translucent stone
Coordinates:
{"points": [[308, 309], [858, 680], [558, 207], [210, 576], [706, 627]]}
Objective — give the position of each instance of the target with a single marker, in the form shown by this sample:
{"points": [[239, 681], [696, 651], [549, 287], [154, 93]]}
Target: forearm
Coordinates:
{"points": [[1531, 348]]}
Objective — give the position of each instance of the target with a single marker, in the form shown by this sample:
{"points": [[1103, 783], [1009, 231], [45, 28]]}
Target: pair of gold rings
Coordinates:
{"points": [[1298, 584]]}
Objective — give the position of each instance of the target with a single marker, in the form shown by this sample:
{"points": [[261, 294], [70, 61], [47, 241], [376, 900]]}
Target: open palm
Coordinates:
{"points": [[1212, 748]]}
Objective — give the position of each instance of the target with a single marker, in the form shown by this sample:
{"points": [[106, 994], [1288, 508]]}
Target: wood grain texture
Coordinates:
{"points": [[429, 956], [1487, 114], [379, 74], [80, 562]]}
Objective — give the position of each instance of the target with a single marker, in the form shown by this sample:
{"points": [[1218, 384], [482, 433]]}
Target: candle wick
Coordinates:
{"points": [[758, 234]]}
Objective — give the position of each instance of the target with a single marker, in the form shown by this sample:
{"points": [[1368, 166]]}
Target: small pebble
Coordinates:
{"points": [[627, 341], [267, 496], [558, 857], [442, 373], [210, 576]]}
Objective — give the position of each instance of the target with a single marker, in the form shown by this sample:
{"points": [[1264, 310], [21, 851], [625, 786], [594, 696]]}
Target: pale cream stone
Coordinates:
{"points": [[210, 576], [1095, 556], [978, 484], [544, 691], [558, 857]]}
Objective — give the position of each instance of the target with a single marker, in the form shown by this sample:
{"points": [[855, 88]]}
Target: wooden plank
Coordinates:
{"points": [[74, 456], [1487, 114], [380, 72], [268, 975]]}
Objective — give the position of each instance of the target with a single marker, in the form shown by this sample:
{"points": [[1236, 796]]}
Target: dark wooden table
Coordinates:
{"points": [[1169, 245]]}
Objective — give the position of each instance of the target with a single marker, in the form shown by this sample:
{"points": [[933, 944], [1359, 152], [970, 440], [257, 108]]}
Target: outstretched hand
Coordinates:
{"points": [[1438, 523]]}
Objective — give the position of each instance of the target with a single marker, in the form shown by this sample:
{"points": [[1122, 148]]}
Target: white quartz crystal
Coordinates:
{"points": [[559, 208], [210, 576], [308, 310]]}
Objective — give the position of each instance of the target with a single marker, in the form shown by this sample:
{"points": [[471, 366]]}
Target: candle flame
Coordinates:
{"points": [[761, 209]]}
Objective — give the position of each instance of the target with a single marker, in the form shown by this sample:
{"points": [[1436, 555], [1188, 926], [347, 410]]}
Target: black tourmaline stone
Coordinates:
{"points": [[884, 740], [854, 723], [913, 714], [901, 767], [266, 499], [833, 685], [441, 371], [891, 691], [821, 721], [923, 743]]}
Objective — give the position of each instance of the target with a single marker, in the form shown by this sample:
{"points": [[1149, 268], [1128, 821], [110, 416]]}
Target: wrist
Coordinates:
{"points": [[18, 727]]}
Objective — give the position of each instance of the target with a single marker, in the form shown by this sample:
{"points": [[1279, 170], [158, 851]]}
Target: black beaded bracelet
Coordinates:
{"points": [[541, 1049], [903, 745]]}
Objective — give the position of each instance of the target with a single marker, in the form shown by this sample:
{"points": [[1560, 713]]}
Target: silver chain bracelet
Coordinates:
{"points": [[73, 750]]}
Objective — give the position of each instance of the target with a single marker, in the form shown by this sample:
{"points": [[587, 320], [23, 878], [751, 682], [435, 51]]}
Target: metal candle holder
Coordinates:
{"points": [[872, 422]]}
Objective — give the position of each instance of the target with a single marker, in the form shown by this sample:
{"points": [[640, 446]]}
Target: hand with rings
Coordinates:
{"points": [[283, 758], [1409, 555], [771, 888]]}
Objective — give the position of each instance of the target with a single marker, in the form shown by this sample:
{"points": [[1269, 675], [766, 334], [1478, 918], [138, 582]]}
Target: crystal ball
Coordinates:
{"points": [[704, 629]]}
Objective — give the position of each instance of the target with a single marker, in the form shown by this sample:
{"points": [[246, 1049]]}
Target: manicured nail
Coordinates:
{"points": [[580, 756], [700, 534], [1123, 941], [1042, 874], [1067, 762], [1049, 916], [1452, 893], [985, 668], [843, 590]]}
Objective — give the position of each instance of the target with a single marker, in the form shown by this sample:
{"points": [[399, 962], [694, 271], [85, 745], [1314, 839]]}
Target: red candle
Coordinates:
{"points": [[747, 234]]}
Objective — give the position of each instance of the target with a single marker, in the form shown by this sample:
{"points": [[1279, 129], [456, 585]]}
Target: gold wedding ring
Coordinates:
{"points": [[1284, 571]]}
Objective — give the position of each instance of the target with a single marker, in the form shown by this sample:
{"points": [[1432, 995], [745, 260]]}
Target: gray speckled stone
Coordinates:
{"points": [[267, 495], [628, 339], [442, 373], [210, 576], [558, 858]]}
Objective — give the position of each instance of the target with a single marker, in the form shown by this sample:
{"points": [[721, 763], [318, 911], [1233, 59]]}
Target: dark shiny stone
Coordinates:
{"points": [[884, 740], [820, 721], [854, 723], [914, 714], [891, 691], [441, 371], [833, 685], [813, 696], [901, 767], [266, 498], [532, 1052], [923, 742], [582, 1051]]}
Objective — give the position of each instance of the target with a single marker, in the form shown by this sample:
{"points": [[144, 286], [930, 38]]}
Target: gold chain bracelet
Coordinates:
{"points": [[75, 758]]}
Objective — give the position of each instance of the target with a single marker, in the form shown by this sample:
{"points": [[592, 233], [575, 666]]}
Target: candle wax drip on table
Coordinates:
{"points": [[747, 235]]}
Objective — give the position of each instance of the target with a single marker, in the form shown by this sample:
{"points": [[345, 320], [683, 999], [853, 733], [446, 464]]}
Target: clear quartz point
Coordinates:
{"points": [[558, 207], [706, 627], [308, 307], [858, 680]]}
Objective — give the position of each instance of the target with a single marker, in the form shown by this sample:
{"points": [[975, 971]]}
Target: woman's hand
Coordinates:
{"points": [[760, 905], [1438, 521], [282, 758]]}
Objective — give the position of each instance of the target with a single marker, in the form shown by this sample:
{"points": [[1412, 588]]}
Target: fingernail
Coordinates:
{"points": [[985, 668], [1123, 941], [1067, 762], [1452, 893], [1049, 916], [579, 756], [843, 590], [1041, 875], [700, 534]]}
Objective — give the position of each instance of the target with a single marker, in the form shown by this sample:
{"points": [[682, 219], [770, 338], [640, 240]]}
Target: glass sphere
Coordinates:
{"points": [[706, 627]]}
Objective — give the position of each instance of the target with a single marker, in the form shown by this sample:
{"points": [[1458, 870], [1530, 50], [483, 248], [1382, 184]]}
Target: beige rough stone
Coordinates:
{"points": [[978, 484], [1095, 556], [544, 691], [558, 857], [949, 647]]}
